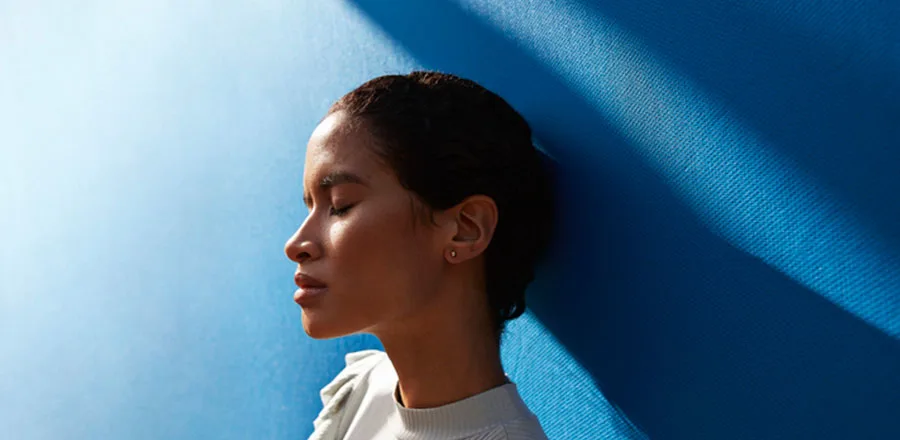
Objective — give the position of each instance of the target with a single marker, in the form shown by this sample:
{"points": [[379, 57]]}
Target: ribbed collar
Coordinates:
{"points": [[463, 417]]}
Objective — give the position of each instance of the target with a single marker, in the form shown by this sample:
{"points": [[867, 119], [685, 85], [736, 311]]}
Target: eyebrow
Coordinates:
{"points": [[333, 179]]}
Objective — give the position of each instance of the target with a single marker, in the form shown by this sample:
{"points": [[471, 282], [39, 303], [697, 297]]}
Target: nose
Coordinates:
{"points": [[301, 247]]}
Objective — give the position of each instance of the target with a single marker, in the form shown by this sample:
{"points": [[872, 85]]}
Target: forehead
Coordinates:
{"points": [[340, 143]]}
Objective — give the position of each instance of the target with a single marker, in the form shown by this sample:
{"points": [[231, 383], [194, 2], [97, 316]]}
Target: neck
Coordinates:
{"points": [[446, 353]]}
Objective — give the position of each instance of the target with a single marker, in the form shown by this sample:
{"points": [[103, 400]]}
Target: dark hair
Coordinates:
{"points": [[448, 138]]}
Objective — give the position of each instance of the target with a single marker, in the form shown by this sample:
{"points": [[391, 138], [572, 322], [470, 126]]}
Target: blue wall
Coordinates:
{"points": [[728, 264]]}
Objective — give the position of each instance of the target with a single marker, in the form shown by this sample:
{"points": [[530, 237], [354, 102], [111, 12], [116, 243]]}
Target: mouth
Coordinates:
{"points": [[310, 289], [306, 296]]}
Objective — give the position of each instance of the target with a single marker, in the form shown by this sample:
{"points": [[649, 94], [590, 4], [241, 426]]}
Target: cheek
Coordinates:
{"points": [[377, 256], [359, 239], [374, 231]]}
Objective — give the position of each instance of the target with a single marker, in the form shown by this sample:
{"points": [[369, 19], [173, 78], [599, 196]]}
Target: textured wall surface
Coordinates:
{"points": [[728, 264]]}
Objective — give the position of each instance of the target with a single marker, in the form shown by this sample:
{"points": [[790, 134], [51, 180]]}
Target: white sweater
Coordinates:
{"points": [[362, 402]]}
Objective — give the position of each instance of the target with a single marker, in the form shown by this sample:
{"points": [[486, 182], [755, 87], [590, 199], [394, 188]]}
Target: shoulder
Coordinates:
{"points": [[336, 395], [358, 363]]}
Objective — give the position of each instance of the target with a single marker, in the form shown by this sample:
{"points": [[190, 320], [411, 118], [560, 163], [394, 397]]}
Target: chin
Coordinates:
{"points": [[318, 328]]}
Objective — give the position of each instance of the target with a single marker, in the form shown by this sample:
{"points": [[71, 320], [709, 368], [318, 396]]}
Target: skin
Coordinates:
{"points": [[390, 274]]}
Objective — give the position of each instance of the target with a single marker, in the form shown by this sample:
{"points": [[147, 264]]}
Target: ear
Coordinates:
{"points": [[475, 220]]}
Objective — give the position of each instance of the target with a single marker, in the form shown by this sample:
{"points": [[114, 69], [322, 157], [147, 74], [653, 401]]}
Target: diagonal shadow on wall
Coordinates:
{"points": [[831, 100], [690, 336]]}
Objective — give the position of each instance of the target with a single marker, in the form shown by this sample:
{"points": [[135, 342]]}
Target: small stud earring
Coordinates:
{"points": [[453, 253]]}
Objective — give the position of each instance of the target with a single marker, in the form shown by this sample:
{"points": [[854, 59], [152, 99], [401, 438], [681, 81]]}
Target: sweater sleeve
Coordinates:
{"points": [[336, 401]]}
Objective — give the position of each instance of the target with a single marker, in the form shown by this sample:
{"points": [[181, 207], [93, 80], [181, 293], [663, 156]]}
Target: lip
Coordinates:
{"points": [[305, 296], [309, 289]]}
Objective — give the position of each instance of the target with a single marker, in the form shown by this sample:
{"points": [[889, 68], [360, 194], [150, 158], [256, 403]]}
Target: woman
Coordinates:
{"points": [[429, 207]]}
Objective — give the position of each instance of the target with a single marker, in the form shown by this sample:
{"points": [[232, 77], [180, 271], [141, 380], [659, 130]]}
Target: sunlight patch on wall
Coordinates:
{"points": [[733, 179], [549, 387]]}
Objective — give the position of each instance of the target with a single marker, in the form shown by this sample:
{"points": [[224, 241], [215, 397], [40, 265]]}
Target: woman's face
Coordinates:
{"points": [[359, 238]]}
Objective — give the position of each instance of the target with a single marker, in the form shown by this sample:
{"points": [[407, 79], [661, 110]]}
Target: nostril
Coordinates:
{"points": [[302, 256]]}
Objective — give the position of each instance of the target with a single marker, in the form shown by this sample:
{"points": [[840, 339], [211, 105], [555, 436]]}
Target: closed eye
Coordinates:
{"points": [[339, 212]]}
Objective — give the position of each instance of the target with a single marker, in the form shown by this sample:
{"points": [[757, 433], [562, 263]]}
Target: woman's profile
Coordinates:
{"points": [[429, 208]]}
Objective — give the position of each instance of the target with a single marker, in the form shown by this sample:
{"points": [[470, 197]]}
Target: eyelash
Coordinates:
{"points": [[339, 212]]}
